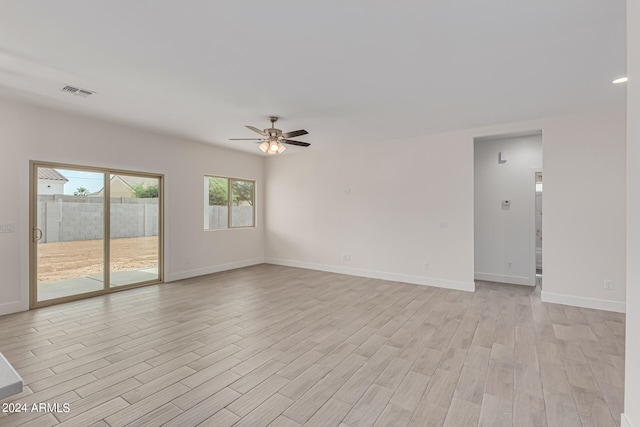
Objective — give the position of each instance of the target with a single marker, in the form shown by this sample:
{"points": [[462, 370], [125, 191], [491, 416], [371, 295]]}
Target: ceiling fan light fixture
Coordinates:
{"points": [[272, 140]]}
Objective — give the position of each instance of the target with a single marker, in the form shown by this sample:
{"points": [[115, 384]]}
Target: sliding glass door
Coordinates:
{"points": [[68, 233], [134, 229], [72, 210]]}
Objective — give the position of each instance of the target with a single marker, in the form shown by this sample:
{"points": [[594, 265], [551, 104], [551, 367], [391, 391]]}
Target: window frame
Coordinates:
{"points": [[230, 181], [107, 240]]}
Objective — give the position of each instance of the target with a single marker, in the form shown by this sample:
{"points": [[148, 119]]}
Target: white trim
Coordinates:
{"points": [[213, 269], [13, 307], [598, 304], [534, 262], [624, 421], [396, 277], [503, 278]]}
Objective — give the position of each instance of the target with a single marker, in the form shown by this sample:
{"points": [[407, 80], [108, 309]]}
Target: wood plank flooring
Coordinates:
{"points": [[279, 346]]}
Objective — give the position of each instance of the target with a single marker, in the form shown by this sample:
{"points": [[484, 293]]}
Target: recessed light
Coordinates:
{"points": [[620, 80]]}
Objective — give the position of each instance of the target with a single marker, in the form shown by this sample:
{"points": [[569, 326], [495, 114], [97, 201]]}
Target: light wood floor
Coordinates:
{"points": [[270, 345]]}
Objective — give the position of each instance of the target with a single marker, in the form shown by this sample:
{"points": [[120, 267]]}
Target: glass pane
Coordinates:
{"points": [[134, 225], [242, 194], [216, 214], [70, 228]]}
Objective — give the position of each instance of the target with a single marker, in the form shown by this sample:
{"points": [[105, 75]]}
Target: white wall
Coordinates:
{"points": [[584, 232], [389, 222], [503, 234], [32, 133], [631, 414], [400, 192]]}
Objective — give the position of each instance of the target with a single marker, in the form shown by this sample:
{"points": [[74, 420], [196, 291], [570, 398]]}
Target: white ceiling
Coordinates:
{"points": [[348, 71]]}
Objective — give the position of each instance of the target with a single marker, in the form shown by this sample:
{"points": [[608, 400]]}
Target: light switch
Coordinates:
{"points": [[6, 227]]}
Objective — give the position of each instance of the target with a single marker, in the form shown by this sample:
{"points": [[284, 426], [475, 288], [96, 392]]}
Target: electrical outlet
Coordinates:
{"points": [[346, 191], [608, 284], [509, 265], [187, 260], [346, 258], [426, 266]]}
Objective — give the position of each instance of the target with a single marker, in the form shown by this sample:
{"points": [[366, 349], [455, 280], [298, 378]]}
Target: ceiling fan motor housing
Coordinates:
{"points": [[273, 133]]}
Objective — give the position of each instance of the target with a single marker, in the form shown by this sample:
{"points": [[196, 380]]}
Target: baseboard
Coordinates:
{"points": [[212, 269], [503, 278], [396, 277], [624, 421], [13, 307], [17, 306], [598, 304]]}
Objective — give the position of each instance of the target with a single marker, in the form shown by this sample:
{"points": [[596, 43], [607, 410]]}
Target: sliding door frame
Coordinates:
{"points": [[33, 222]]}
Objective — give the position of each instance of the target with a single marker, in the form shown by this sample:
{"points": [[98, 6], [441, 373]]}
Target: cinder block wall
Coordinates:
{"points": [[70, 218]]}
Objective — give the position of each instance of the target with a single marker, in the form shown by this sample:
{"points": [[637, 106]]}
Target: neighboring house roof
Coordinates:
{"points": [[131, 181], [119, 178], [137, 180], [52, 174]]}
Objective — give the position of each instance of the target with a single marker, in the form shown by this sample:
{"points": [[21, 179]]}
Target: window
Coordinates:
{"points": [[222, 211]]}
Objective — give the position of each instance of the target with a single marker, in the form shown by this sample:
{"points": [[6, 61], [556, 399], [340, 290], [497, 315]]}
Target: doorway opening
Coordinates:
{"points": [[538, 219], [505, 236]]}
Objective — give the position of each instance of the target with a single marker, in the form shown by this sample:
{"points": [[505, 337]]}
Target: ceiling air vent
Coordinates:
{"points": [[77, 91]]}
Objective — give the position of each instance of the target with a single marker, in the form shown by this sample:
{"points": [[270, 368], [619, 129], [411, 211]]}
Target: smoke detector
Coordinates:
{"points": [[77, 91]]}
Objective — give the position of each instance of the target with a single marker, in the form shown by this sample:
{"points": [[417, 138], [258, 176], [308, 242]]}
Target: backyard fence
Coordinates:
{"points": [[65, 218], [242, 216], [72, 218]]}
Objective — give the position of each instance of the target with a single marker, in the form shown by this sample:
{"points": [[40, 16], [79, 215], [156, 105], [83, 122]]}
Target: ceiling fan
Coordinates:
{"points": [[273, 140]]}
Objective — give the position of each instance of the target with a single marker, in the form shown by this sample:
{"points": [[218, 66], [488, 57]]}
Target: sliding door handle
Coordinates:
{"points": [[37, 234]]}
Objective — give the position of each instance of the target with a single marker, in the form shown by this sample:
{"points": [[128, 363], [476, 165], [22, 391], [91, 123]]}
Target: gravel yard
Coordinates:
{"points": [[66, 260]]}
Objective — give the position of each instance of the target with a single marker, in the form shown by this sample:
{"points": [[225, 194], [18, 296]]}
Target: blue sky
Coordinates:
{"points": [[92, 181]]}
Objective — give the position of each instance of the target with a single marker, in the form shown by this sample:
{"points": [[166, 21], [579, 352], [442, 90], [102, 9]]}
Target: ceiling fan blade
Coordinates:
{"points": [[292, 142], [256, 130], [246, 139], [295, 133]]}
